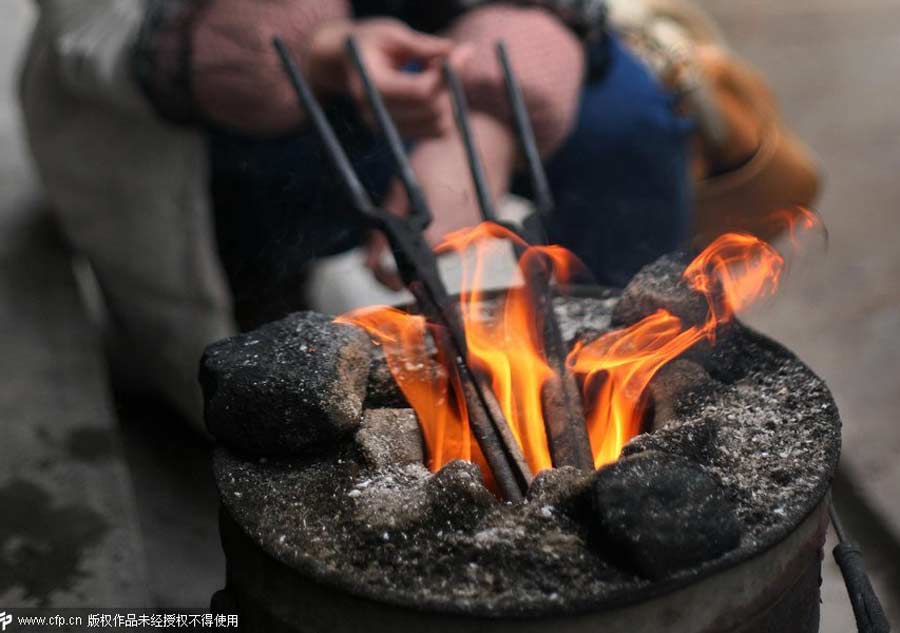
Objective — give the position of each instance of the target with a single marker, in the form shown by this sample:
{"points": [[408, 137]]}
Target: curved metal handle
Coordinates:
{"points": [[867, 609]]}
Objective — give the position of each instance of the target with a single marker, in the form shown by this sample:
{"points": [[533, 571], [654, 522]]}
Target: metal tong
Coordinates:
{"points": [[560, 399], [417, 267], [867, 609]]}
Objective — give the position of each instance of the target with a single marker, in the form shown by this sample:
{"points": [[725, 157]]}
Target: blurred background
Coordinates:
{"points": [[116, 493]]}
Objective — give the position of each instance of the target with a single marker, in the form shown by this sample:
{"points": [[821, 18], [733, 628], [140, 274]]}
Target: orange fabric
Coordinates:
{"points": [[779, 174]]}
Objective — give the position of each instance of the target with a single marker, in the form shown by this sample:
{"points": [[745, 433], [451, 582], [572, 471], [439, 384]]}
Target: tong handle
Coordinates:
{"points": [[461, 114], [867, 609], [543, 198], [353, 187], [420, 215]]}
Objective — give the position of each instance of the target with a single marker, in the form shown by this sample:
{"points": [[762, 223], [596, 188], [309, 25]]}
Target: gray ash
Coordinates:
{"points": [[764, 440]]}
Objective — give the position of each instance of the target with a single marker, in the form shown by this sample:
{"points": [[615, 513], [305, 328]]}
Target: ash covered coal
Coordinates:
{"points": [[289, 385], [390, 436], [657, 513], [565, 490], [759, 445], [660, 285], [676, 388]]}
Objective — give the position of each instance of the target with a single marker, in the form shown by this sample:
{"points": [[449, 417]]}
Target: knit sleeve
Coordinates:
{"points": [[162, 56], [172, 62]]}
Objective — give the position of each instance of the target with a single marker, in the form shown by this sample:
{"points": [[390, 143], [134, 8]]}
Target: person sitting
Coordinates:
{"points": [[178, 162]]}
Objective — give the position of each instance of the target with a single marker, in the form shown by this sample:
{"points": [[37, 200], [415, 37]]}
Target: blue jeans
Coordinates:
{"points": [[620, 181]]}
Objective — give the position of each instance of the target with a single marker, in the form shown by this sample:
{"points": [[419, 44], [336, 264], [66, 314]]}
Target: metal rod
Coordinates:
{"points": [[836, 522], [563, 411], [491, 431], [420, 213], [543, 198], [461, 115], [867, 609], [418, 267], [352, 185]]}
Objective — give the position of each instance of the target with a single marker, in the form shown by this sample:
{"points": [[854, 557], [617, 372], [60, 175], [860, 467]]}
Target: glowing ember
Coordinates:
{"points": [[732, 272]]}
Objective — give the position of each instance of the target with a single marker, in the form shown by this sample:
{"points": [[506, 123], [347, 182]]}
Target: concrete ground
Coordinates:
{"points": [[134, 490]]}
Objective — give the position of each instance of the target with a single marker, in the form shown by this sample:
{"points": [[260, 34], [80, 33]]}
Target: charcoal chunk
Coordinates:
{"points": [[697, 440], [660, 285], [658, 513], [390, 436], [673, 386], [565, 489], [382, 390], [406, 497], [393, 500], [458, 496], [286, 386]]}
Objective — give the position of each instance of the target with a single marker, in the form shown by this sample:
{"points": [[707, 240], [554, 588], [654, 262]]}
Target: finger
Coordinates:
{"points": [[383, 273], [375, 248], [436, 104], [430, 119], [424, 129], [395, 200], [412, 87], [461, 55], [388, 277], [417, 45]]}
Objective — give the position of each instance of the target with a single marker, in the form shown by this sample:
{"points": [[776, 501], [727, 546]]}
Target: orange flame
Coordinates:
{"points": [[732, 272], [508, 348], [422, 380]]}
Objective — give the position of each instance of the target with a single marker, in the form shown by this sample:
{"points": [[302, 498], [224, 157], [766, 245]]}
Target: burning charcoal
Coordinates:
{"points": [[566, 489], [660, 285], [390, 436], [287, 385], [458, 495], [672, 385], [658, 513]]}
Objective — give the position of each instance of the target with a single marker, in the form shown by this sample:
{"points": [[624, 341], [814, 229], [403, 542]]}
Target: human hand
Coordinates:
{"points": [[417, 101], [443, 172], [236, 78]]}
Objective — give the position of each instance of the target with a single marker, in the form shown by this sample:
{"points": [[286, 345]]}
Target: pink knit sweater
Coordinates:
{"points": [[547, 58], [234, 70]]}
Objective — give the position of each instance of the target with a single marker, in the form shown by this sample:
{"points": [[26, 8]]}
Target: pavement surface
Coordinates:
{"points": [[104, 501], [135, 488], [69, 532]]}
